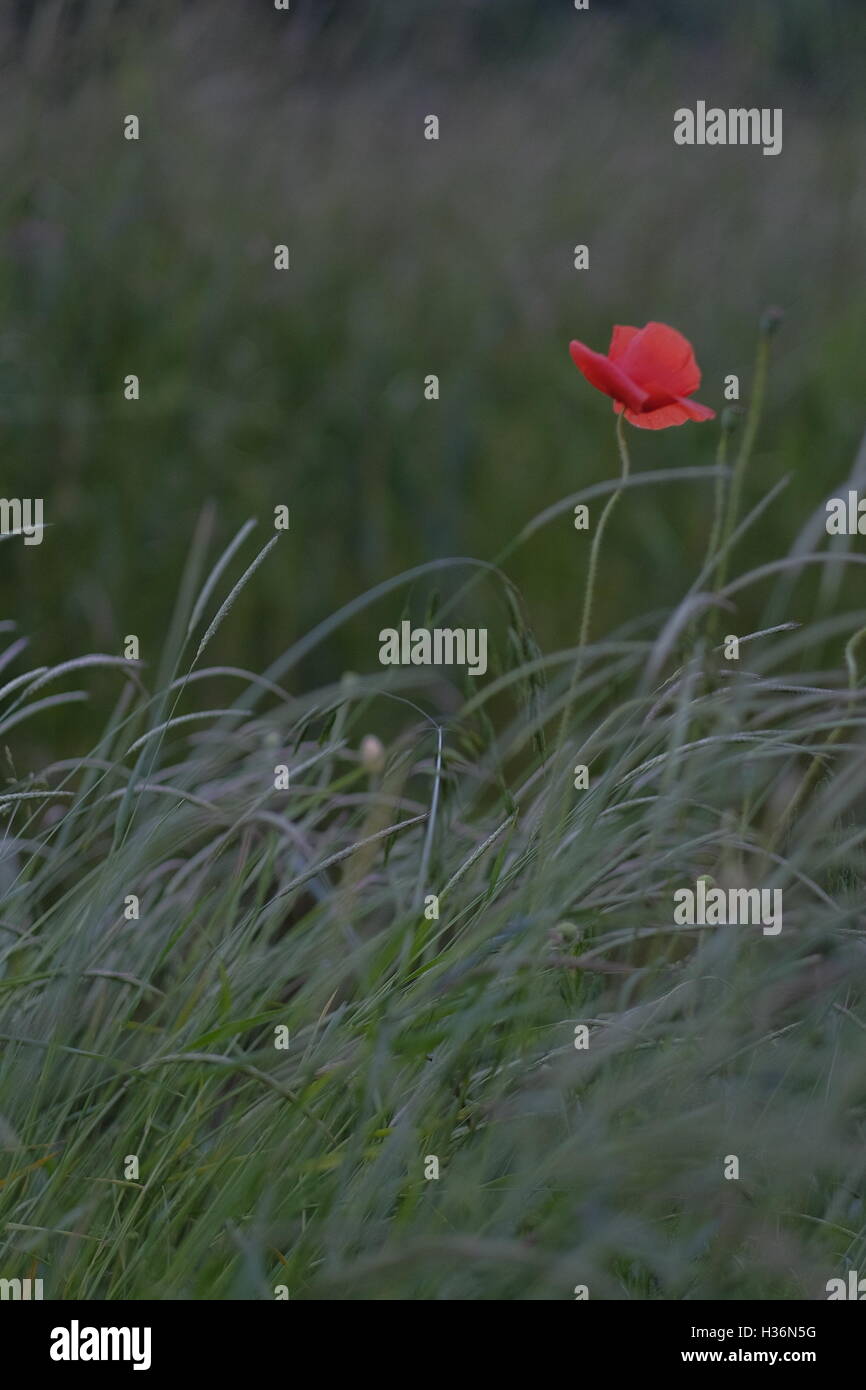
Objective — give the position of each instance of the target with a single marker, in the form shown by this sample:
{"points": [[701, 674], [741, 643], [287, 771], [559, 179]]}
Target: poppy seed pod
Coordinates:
{"points": [[771, 320]]}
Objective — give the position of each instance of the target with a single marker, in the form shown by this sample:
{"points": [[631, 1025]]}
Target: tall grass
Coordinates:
{"points": [[303, 1168]]}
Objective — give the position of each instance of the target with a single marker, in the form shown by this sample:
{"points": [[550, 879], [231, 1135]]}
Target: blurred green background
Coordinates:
{"points": [[408, 257]]}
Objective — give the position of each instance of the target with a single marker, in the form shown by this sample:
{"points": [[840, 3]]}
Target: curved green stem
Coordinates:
{"points": [[589, 592], [586, 616]]}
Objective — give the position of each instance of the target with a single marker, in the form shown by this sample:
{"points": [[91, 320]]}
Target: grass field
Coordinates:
{"points": [[234, 1035], [281, 1037]]}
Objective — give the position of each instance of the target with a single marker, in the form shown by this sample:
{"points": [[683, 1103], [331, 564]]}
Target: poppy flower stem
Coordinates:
{"points": [[595, 549], [586, 619]]}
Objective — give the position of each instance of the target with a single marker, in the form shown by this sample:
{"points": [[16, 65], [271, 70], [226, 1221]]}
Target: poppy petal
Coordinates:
{"points": [[696, 411], [607, 376], [619, 340], [662, 361], [660, 419]]}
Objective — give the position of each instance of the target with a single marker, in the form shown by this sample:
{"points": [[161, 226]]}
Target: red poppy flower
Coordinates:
{"points": [[650, 372]]}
